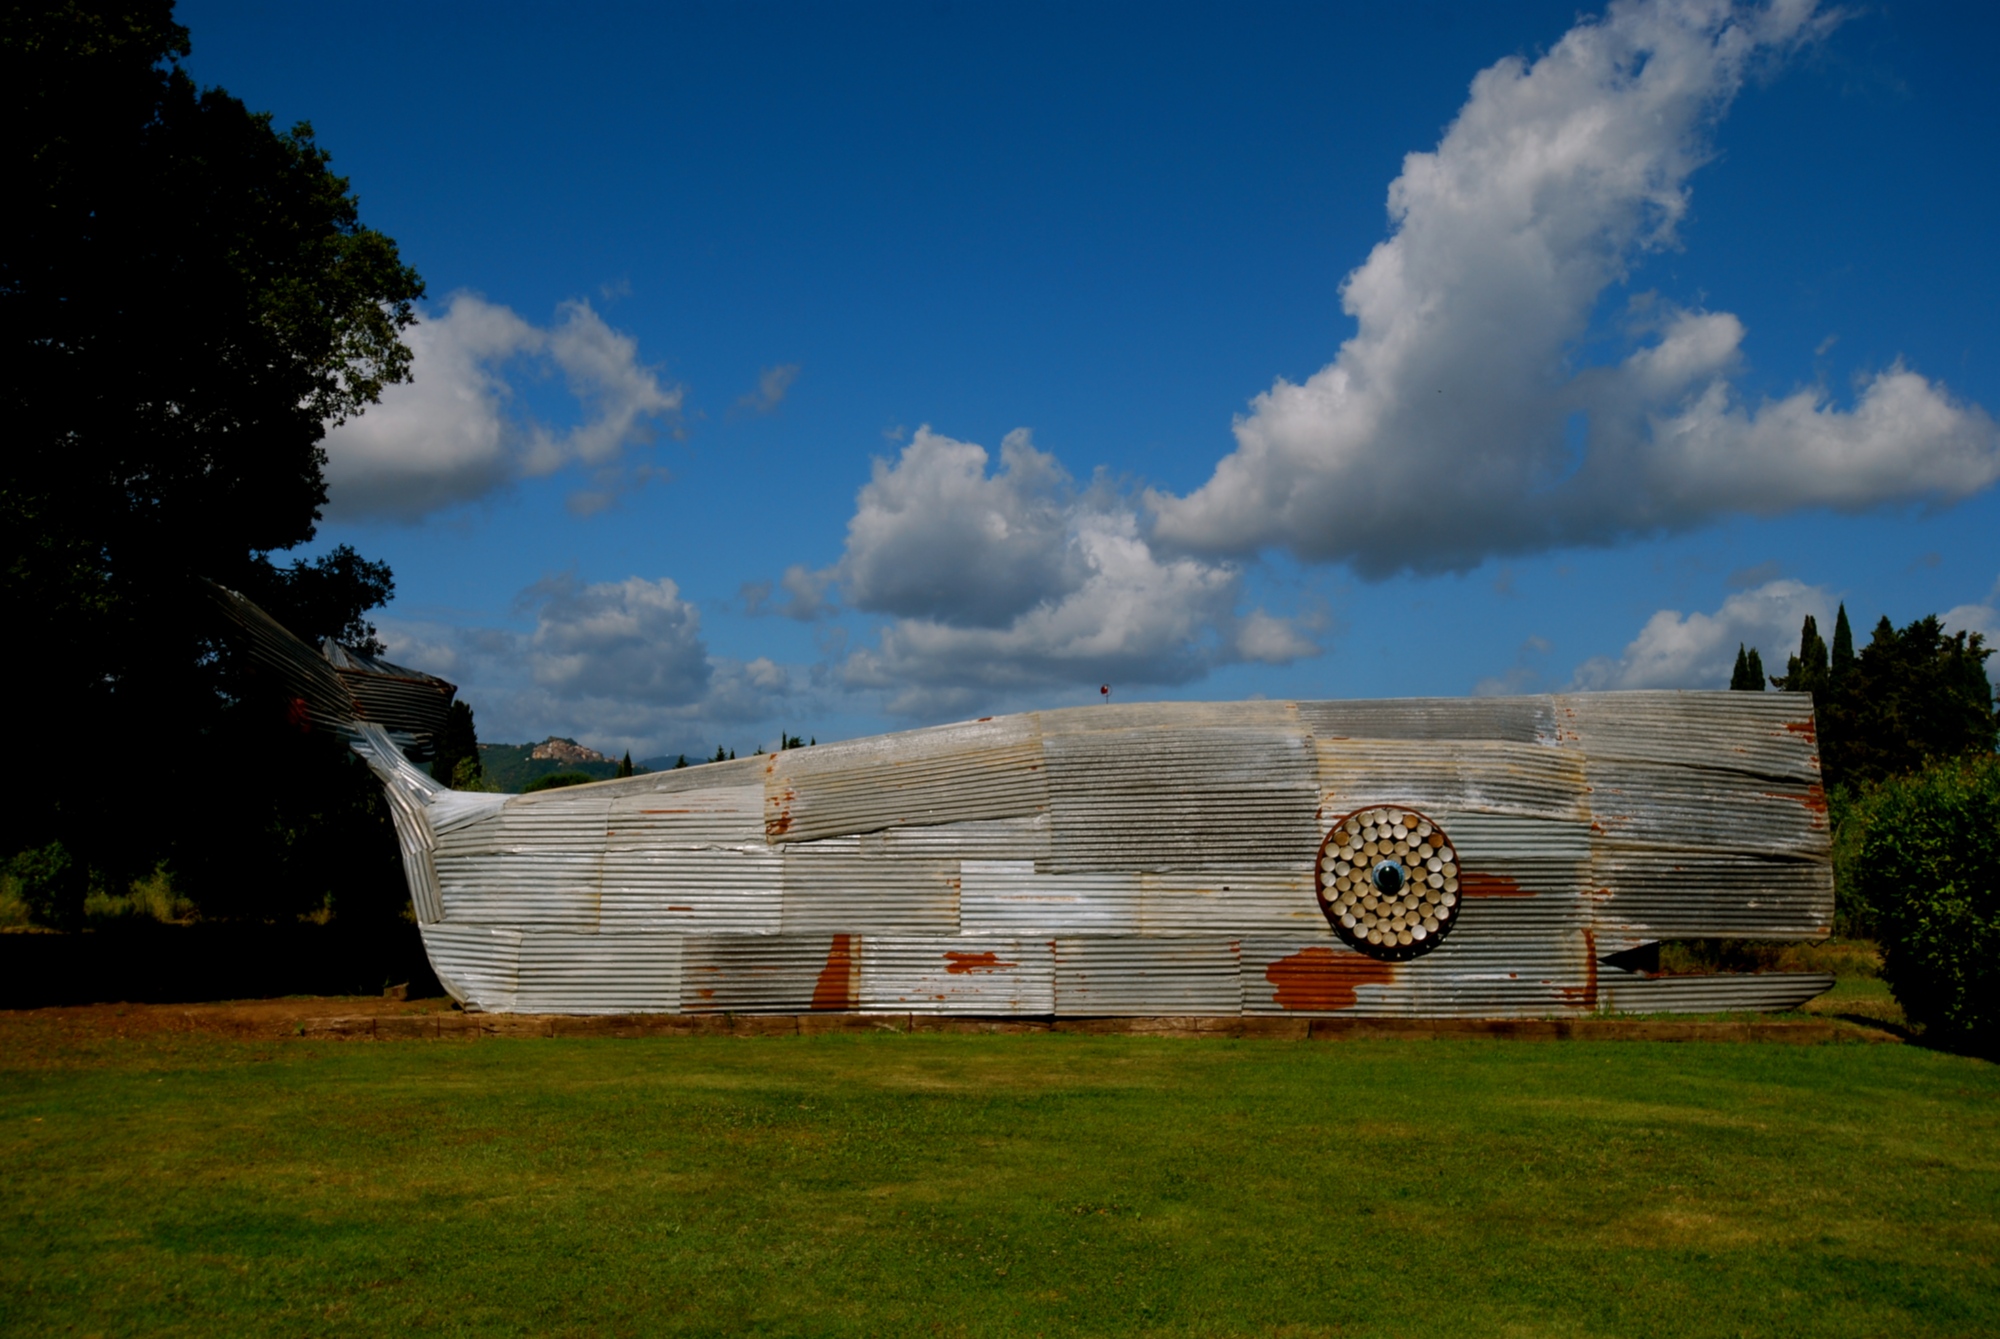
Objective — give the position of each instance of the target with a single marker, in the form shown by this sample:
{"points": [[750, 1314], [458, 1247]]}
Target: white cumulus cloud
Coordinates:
{"points": [[1457, 424], [453, 433], [1017, 579], [1676, 650]]}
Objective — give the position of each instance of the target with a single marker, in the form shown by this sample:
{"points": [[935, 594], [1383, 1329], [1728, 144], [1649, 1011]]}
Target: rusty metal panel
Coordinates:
{"points": [[1517, 720], [785, 974], [686, 819], [831, 885], [950, 975], [1701, 810], [1761, 992], [1252, 902], [1157, 797], [1008, 898], [1467, 977], [984, 839], [599, 973], [478, 965], [1763, 734], [1114, 976], [947, 774], [1647, 893]]}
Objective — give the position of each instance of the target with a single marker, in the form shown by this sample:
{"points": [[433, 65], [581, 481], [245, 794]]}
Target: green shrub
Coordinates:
{"points": [[1928, 869], [555, 779]]}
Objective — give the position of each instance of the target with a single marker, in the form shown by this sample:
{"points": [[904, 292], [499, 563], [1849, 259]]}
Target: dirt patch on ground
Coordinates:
{"points": [[364, 1018], [247, 1019]]}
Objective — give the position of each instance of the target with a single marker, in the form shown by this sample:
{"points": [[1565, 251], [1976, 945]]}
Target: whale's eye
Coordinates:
{"points": [[1378, 888]]}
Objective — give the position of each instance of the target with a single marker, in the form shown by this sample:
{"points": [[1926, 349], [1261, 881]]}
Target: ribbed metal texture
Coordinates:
{"points": [[598, 973], [1007, 897], [939, 975], [1463, 775], [769, 973], [1149, 859], [1754, 993], [1763, 734], [951, 773], [830, 885], [1109, 977], [1159, 797], [1648, 893], [1710, 810], [478, 965], [410, 794], [1511, 720]]}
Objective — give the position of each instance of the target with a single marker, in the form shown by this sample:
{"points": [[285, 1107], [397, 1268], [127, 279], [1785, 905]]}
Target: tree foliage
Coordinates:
{"points": [[1928, 870], [1748, 676], [187, 298], [1912, 695], [457, 760]]}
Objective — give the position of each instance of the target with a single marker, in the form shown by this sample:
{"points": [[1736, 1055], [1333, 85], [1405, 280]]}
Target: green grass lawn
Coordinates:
{"points": [[1039, 1184]]}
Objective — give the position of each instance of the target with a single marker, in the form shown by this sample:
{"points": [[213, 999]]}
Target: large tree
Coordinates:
{"points": [[188, 299]]}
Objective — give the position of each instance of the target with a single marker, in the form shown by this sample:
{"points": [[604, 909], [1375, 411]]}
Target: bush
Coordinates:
{"points": [[1928, 870]]}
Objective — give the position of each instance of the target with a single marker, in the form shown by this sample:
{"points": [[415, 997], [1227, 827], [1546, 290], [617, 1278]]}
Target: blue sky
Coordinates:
{"points": [[1684, 323]]}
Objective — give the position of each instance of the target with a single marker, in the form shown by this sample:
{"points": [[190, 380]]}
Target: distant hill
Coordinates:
{"points": [[512, 766]]}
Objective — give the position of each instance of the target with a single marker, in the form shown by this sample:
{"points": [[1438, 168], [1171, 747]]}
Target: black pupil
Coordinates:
{"points": [[1389, 877]]}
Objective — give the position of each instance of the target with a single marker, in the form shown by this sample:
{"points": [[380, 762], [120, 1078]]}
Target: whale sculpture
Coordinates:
{"points": [[1434, 857]]}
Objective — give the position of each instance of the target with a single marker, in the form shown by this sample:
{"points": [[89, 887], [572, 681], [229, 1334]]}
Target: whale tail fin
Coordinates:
{"points": [[338, 688]]}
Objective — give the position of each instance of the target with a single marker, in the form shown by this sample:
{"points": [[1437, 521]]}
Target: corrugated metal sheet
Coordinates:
{"points": [[785, 974], [940, 975], [1438, 776], [992, 839], [1515, 720], [1649, 893], [686, 819], [830, 885], [1157, 797], [1763, 734], [712, 889], [1008, 897], [478, 965], [1247, 902], [948, 774], [1707, 810], [410, 794], [1110, 977], [599, 973], [1150, 859], [1752, 993]]}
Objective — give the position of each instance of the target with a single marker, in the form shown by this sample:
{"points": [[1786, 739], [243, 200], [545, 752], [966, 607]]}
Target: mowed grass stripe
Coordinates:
{"points": [[996, 1185]]}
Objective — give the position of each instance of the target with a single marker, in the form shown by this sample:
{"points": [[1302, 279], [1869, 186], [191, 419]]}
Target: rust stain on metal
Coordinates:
{"points": [[967, 964], [1805, 729], [680, 908], [1585, 996], [1490, 885], [1318, 978], [835, 988]]}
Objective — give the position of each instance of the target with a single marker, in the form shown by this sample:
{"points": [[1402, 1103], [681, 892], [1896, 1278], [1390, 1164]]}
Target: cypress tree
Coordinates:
{"points": [[1743, 679], [625, 764], [1756, 671], [1843, 648]]}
